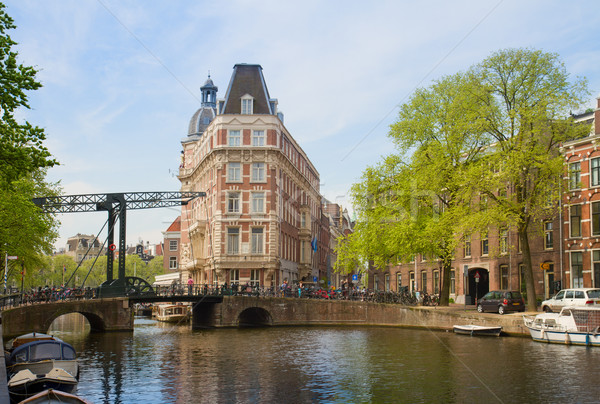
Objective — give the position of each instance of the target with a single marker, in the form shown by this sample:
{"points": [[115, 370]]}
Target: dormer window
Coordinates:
{"points": [[247, 104]]}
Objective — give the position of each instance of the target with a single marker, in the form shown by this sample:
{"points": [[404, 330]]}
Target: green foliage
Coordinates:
{"points": [[475, 150], [21, 145], [24, 230], [48, 270]]}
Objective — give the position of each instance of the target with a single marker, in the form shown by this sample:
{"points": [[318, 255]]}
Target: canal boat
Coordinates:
{"points": [[576, 325], [30, 337], [478, 330], [54, 396], [172, 313], [39, 365]]}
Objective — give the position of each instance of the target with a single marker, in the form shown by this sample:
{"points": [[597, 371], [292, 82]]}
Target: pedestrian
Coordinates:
{"points": [[190, 285]]}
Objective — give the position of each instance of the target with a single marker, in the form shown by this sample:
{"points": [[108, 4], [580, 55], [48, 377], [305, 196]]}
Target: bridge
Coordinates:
{"points": [[214, 311]]}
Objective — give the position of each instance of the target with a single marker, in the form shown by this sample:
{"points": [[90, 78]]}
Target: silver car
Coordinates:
{"points": [[572, 297]]}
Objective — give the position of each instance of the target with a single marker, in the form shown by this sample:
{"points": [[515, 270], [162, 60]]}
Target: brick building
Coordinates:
{"points": [[581, 207], [261, 221]]}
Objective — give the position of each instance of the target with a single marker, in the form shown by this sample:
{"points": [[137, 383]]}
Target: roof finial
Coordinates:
{"points": [[209, 74]]}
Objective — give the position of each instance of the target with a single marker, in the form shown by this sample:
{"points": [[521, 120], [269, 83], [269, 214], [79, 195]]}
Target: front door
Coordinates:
{"points": [[479, 284], [549, 284]]}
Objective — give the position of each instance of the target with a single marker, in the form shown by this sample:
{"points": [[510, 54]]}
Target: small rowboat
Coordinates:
{"points": [[478, 330]]}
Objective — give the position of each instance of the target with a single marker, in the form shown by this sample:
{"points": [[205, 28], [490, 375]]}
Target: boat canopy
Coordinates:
{"points": [[42, 350]]}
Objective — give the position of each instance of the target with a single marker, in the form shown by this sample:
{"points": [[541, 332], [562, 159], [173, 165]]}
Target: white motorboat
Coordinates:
{"points": [[577, 325], [172, 313], [479, 330]]}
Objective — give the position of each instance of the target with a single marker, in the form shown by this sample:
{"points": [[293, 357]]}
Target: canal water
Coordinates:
{"points": [[161, 363]]}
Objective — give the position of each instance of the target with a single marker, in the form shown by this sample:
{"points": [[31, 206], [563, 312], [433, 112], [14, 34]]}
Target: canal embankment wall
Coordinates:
{"points": [[286, 312]]}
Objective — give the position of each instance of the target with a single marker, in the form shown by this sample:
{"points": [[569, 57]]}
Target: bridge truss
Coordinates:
{"points": [[117, 204]]}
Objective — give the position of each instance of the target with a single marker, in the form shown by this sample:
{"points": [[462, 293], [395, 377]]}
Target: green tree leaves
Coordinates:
{"points": [[24, 230], [475, 150]]}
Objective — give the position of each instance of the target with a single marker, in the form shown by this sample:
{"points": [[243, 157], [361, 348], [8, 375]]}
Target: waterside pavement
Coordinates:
{"points": [[444, 318]]}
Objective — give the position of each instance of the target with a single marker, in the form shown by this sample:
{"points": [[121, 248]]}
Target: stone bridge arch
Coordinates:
{"points": [[255, 317], [102, 314]]}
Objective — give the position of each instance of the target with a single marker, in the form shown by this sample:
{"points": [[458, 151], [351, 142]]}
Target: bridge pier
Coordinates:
{"points": [[205, 315]]}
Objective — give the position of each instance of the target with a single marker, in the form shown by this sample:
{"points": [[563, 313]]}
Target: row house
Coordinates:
{"points": [[261, 221], [565, 249]]}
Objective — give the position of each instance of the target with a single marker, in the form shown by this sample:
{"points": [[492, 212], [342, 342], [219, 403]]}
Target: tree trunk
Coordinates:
{"points": [[445, 291], [527, 269]]}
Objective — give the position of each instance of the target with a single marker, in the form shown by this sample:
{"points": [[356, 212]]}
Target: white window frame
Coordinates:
{"points": [[503, 240], [485, 245], [467, 248], [258, 138], [595, 172], [258, 173], [234, 172], [233, 240], [173, 244], [234, 202], [574, 175], [234, 138], [255, 277], [234, 276], [595, 219], [571, 227], [548, 235], [257, 240], [258, 202], [247, 105], [172, 262], [576, 275]]}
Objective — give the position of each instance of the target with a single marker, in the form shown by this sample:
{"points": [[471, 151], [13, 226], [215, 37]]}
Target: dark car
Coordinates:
{"points": [[501, 301]]}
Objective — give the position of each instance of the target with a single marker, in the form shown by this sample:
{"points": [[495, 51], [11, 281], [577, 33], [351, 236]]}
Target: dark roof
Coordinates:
{"points": [[247, 79], [200, 120]]}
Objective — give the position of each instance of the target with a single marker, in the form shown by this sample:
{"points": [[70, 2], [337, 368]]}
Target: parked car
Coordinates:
{"points": [[501, 301], [572, 297]]}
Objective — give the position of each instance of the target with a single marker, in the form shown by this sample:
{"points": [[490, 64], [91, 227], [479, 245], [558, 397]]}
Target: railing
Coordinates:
{"points": [[46, 295], [403, 298], [56, 294]]}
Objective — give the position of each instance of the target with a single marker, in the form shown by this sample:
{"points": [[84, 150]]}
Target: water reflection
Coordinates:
{"points": [[165, 363]]}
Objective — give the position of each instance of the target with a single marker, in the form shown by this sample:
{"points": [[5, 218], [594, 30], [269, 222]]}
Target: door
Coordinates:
{"points": [[549, 284], [479, 284]]}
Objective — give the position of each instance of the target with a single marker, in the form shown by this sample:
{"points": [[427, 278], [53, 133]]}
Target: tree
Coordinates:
{"points": [[525, 98], [475, 150], [409, 203], [21, 145], [24, 230]]}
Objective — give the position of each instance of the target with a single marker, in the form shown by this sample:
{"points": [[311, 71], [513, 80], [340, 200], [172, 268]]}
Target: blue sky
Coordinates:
{"points": [[121, 78]]}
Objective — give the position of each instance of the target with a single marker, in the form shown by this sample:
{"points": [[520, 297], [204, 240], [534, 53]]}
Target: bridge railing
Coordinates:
{"points": [[47, 295], [402, 297]]}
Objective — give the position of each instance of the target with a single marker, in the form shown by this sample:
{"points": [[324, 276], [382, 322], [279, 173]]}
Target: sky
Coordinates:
{"points": [[121, 78]]}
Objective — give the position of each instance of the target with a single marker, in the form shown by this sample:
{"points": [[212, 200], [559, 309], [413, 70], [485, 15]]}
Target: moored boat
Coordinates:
{"points": [[577, 325], [39, 365], [479, 330], [172, 313], [54, 396]]}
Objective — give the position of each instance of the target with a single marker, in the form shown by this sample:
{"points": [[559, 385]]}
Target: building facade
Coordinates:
{"points": [[171, 246], [261, 221], [581, 207], [83, 247]]}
